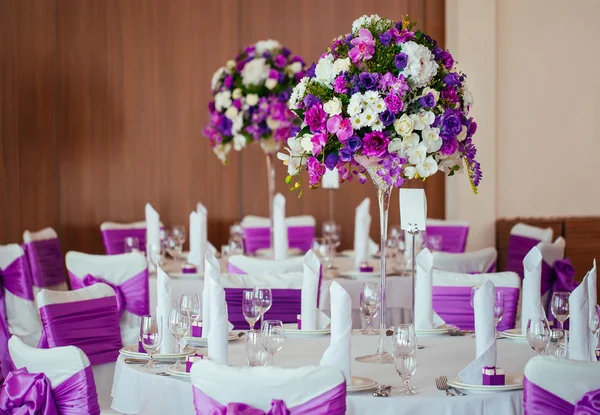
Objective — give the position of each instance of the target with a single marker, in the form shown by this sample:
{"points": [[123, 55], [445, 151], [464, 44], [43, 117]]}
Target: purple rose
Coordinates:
{"points": [[354, 144], [449, 147], [400, 61], [224, 125], [387, 117], [285, 51], [310, 100], [315, 171], [385, 38], [472, 128], [345, 154], [339, 85], [315, 118], [375, 144], [279, 61], [331, 160], [310, 72], [284, 96], [368, 81], [238, 104], [427, 101], [393, 103], [452, 79], [451, 124]]}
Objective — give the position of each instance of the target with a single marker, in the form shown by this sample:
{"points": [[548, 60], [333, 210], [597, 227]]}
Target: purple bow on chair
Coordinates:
{"points": [[26, 393], [539, 401], [91, 280]]}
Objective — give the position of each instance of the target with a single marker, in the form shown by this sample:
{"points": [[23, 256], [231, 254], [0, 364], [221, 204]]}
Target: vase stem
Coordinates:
{"points": [[271, 189], [330, 205], [383, 197]]}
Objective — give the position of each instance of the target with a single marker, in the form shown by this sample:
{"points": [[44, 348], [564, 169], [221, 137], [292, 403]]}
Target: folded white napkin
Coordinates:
{"points": [[362, 225], [164, 303], [425, 317], [253, 265], [579, 344], [219, 323], [331, 179], [312, 317], [198, 239], [280, 236], [152, 229], [485, 334], [338, 353], [212, 275], [532, 285], [252, 221]]}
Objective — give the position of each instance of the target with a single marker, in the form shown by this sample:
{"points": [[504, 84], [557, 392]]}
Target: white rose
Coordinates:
{"points": [[231, 112], [270, 83], [421, 65], [215, 82], [462, 135], [230, 64], [294, 68], [222, 100], [236, 94], [252, 99], [404, 125], [324, 70], [239, 142], [255, 72], [333, 106], [266, 45], [341, 65], [298, 93]]}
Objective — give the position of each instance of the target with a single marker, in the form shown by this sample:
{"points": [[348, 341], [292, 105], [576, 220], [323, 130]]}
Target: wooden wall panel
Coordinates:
{"points": [[28, 140], [583, 244]]}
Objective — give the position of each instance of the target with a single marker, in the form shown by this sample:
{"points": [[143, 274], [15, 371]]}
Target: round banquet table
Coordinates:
{"points": [[398, 289], [137, 391]]}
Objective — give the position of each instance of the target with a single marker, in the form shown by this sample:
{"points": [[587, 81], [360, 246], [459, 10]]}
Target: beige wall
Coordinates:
{"points": [[533, 68]]}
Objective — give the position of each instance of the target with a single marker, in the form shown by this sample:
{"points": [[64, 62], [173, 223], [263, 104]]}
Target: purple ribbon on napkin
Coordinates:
{"points": [[539, 401], [332, 402], [45, 262]]}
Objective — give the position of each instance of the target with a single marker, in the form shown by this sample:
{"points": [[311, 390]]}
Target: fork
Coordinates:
{"points": [[445, 383], [443, 386]]}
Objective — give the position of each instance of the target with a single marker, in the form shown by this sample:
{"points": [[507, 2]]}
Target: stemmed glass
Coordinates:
{"points": [[272, 337], [557, 345], [263, 298], [498, 308], [132, 244], [179, 324], [405, 357], [256, 355], [250, 308], [322, 249], [155, 254], [150, 337], [236, 245], [560, 307], [538, 334], [191, 304], [473, 292], [333, 232], [370, 300], [178, 234]]}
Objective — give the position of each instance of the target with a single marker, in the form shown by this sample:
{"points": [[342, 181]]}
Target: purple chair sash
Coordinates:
{"points": [[286, 306], [453, 304], [559, 277], [5, 360], [232, 269], [17, 278], [518, 247], [332, 402], [298, 237], [91, 325], [114, 239], [539, 401], [454, 238], [133, 295], [45, 262]]}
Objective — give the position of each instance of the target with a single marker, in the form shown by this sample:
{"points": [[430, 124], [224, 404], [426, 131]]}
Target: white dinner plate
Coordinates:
{"points": [[291, 330], [513, 334], [357, 275], [178, 373], [361, 384], [513, 382], [202, 342], [268, 253], [132, 351], [443, 329]]}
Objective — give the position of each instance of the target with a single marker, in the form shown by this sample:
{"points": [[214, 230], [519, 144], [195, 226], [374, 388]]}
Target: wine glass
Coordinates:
{"points": [[132, 244], [224, 251], [236, 230], [557, 346], [333, 232], [263, 298], [250, 308], [322, 249], [191, 304], [256, 355], [405, 356], [560, 306], [498, 308], [173, 246], [538, 334], [179, 324], [150, 337], [272, 337], [236, 245], [370, 299]]}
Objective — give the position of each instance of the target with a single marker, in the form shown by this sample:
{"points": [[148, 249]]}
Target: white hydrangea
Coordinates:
{"points": [[255, 72], [266, 45], [298, 93], [215, 82], [362, 21], [293, 68], [239, 142], [421, 65], [467, 98], [324, 73], [222, 100]]}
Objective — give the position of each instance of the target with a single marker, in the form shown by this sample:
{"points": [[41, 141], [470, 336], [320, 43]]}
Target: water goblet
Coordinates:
{"points": [[131, 244], [557, 345], [191, 304], [155, 254], [263, 298], [173, 246], [405, 357], [272, 337], [236, 230], [560, 306], [256, 355], [498, 308], [333, 231], [370, 300], [150, 337], [250, 308], [236, 245], [179, 325], [538, 334], [322, 249]]}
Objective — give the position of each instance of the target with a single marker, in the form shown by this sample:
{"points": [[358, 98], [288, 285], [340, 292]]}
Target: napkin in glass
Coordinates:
{"points": [[338, 353], [164, 290], [362, 225], [532, 287], [198, 241], [425, 317], [280, 236], [312, 317]]}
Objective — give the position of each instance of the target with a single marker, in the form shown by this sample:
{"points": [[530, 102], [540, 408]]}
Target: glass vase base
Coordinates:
{"points": [[381, 358]]}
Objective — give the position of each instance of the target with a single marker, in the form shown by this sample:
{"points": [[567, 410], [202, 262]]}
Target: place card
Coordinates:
{"points": [[413, 209], [331, 179]]}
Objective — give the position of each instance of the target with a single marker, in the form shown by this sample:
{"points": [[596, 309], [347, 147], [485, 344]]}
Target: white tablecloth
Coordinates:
{"points": [[398, 309], [135, 391]]}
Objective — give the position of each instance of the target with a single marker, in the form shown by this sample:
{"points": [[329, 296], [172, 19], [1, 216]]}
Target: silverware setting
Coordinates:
{"points": [[162, 374], [441, 382], [382, 391], [132, 361]]}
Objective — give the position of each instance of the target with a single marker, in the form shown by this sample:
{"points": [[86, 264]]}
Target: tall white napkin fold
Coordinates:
{"points": [[425, 317], [593, 300], [579, 343], [198, 242], [312, 317], [532, 286], [219, 322], [280, 236], [362, 225], [152, 229], [338, 353], [331, 179], [212, 275], [485, 334], [164, 293]]}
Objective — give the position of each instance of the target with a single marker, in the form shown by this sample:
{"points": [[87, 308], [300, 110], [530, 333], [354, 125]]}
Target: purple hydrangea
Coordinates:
{"points": [[228, 81], [451, 124], [449, 94], [279, 61], [427, 101], [400, 61]]}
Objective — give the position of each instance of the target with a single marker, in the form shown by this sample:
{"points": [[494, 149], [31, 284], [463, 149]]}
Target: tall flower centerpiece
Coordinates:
{"points": [[385, 102], [250, 103]]}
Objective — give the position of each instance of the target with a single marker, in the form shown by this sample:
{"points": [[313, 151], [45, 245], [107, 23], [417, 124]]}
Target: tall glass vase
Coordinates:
{"points": [[384, 192], [270, 148]]}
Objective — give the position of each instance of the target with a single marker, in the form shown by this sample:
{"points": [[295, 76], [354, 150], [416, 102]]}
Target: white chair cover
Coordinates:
{"points": [[257, 386], [291, 280], [532, 232], [105, 226], [115, 269], [453, 279], [470, 262], [252, 221]]}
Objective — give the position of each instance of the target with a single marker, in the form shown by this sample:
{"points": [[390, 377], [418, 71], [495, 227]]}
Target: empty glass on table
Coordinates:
{"points": [[131, 244], [272, 337], [370, 300], [155, 254], [250, 308], [557, 346], [174, 247], [150, 337], [179, 325], [560, 306], [322, 249], [263, 298], [538, 334], [191, 304], [333, 232], [405, 357], [256, 355], [236, 245], [498, 308]]}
